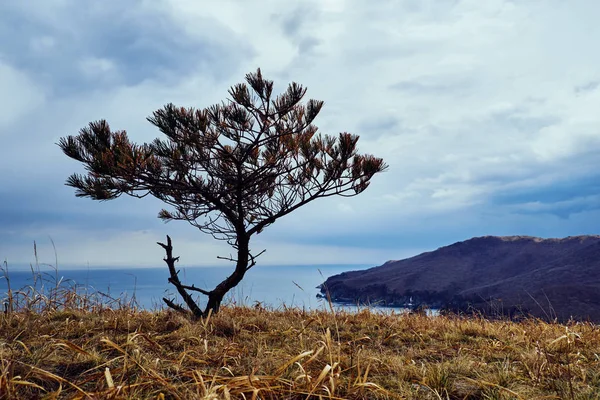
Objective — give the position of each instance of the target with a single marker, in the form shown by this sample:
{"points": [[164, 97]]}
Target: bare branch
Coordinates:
{"points": [[194, 288], [230, 258], [174, 279], [253, 259], [175, 306]]}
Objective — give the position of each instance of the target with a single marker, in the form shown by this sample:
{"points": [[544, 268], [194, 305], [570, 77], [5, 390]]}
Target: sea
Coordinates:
{"points": [[273, 287]]}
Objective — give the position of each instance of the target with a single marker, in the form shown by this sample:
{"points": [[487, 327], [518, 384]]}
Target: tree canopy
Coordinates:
{"points": [[230, 170]]}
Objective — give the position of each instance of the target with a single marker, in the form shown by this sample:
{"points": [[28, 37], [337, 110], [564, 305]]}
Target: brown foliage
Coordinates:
{"points": [[230, 169]]}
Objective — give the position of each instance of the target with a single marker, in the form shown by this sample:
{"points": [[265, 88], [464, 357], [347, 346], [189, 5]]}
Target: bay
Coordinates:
{"points": [[272, 287]]}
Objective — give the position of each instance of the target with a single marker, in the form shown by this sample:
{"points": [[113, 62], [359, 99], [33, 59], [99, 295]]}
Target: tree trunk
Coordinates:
{"points": [[216, 295]]}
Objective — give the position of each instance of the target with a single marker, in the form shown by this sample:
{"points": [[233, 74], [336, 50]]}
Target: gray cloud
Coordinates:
{"points": [[292, 22], [483, 113], [383, 124], [436, 86], [587, 87], [521, 119], [296, 25], [119, 44]]}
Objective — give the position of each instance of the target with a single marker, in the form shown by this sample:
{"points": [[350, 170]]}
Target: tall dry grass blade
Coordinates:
{"points": [[317, 353], [109, 380], [72, 346], [321, 378], [20, 343], [279, 371], [364, 379], [15, 381], [112, 344], [205, 321], [50, 375], [502, 388]]}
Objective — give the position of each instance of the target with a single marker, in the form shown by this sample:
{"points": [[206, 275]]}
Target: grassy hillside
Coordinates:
{"points": [[64, 345], [292, 354]]}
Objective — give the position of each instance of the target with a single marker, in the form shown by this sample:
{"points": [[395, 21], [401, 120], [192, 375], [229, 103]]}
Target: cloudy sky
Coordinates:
{"points": [[488, 113]]}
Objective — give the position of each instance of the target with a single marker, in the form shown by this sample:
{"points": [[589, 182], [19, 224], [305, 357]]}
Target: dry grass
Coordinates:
{"points": [[68, 346]]}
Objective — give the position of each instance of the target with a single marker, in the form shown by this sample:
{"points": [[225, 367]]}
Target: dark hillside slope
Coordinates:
{"points": [[544, 277]]}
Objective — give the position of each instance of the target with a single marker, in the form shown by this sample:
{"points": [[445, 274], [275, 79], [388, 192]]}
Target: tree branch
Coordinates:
{"points": [[174, 279], [194, 288], [253, 259], [174, 306]]}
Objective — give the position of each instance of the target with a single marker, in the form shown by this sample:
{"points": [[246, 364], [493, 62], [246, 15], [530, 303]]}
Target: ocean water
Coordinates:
{"points": [[271, 286]]}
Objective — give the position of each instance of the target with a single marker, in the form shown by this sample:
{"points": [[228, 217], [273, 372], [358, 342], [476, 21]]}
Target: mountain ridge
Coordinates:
{"points": [[513, 275]]}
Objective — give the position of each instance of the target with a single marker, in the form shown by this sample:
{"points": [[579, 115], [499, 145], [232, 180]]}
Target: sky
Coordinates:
{"points": [[487, 113]]}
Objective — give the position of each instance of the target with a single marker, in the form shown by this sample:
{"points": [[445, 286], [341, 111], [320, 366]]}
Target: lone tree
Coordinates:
{"points": [[230, 170]]}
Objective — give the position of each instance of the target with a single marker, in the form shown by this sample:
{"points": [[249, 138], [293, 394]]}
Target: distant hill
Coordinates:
{"points": [[510, 275]]}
